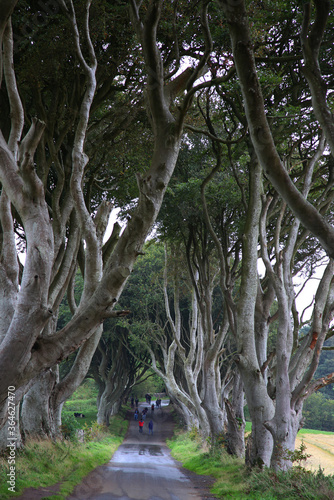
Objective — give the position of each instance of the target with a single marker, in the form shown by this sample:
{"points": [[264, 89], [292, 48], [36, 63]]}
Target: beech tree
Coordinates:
{"points": [[81, 89], [281, 419], [312, 34], [115, 372], [275, 406], [61, 230]]}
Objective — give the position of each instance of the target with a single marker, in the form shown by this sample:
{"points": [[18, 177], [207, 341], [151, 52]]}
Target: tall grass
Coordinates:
{"points": [[235, 481], [291, 485], [45, 463]]}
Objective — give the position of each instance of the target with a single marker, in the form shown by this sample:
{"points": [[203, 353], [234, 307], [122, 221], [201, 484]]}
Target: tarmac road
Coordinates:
{"points": [[142, 468]]}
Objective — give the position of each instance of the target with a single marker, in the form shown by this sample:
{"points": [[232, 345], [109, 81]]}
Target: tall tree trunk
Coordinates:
{"points": [[210, 399], [235, 434], [260, 405], [38, 416]]}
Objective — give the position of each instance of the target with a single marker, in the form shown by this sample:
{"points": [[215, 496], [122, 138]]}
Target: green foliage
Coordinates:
{"points": [[65, 314], [319, 412], [86, 391], [83, 400], [313, 431], [69, 426], [182, 207], [326, 366], [296, 457], [299, 455], [94, 432], [151, 385]]}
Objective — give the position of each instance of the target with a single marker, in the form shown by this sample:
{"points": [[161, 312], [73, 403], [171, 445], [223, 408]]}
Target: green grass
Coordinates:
{"points": [[291, 485], [89, 418], [313, 431], [235, 481], [248, 428], [44, 463], [228, 471]]}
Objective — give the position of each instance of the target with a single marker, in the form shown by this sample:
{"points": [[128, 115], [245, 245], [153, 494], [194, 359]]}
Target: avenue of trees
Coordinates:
{"points": [[209, 123]]}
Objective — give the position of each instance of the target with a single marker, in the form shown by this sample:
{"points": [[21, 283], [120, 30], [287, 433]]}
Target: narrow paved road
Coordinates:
{"points": [[143, 469]]}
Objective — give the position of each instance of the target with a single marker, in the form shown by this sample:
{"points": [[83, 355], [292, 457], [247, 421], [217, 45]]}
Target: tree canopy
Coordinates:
{"points": [[218, 113]]}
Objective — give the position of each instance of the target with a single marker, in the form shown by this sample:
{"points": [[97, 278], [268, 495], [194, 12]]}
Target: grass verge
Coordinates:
{"points": [[45, 463], [235, 481], [228, 471]]}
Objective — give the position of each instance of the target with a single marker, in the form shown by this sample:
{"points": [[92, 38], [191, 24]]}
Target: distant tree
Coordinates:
{"points": [[319, 413]]}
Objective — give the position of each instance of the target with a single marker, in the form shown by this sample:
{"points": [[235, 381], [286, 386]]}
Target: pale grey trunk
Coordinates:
{"points": [[284, 427], [104, 409], [201, 413], [260, 405], [109, 402], [211, 401], [190, 402], [10, 435], [261, 409], [235, 434], [115, 407], [33, 354], [188, 419], [57, 416], [284, 440], [262, 315], [38, 417], [185, 404]]}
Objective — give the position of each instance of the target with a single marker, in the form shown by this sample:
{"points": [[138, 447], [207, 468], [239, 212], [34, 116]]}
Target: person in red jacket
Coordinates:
{"points": [[141, 425]]}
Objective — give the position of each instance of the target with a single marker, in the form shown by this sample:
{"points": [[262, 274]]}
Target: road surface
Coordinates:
{"points": [[143, 469]]}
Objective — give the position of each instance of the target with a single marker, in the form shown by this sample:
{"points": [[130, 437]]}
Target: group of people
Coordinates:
{"points": [[148, 398], [141, 426], [143, 413], [141, 416], [134, 401]]}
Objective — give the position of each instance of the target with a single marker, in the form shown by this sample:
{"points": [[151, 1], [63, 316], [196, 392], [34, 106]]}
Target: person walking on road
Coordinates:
{"points": [[150, 427], [141, 425]]}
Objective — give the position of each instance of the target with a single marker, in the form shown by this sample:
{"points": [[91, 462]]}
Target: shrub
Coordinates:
{"points": [[69, 427], [95, 432]]}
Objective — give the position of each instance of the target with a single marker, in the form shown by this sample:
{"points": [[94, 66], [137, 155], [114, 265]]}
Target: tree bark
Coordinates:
{"points": [[39, 348], [260, 406], [236, 423], [38, 416], [259, 129]]}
